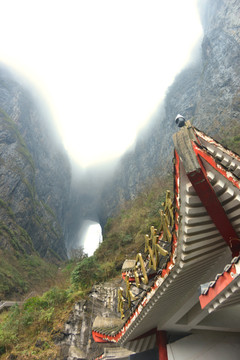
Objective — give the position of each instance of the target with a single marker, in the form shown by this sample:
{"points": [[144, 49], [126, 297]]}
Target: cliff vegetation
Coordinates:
{"points": [[34, 187], [33, 330]]}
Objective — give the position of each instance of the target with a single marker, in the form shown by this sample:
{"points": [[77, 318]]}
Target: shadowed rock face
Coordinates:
{"points": [[207, 92], [34, 175], [75, 340]]}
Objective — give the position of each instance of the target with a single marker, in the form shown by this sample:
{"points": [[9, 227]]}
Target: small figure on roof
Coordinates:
{"points": [[180, 121]]}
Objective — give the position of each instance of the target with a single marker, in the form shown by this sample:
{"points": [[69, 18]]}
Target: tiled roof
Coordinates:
{"points": [[197, 244], [128, 265], [216, 288], [227, 158], [204, 288]]}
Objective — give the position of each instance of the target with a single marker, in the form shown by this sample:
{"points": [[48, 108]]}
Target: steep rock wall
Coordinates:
{"points": [[207, 92], [34, 174], [75, 341]]}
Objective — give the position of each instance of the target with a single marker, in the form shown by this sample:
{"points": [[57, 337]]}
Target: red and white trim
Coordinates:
{"points": [[230, 275], [207, 225]]}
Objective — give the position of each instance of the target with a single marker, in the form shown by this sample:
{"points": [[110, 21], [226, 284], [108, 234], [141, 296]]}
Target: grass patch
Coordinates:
{"points": [[24, 273], [6, 207], [30, 330], [12, 235], [22, 148], [124, 234], [42, 318]]}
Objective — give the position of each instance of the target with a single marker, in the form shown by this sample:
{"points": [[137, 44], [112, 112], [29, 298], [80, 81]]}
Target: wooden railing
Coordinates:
{"points": [[147, 266]]}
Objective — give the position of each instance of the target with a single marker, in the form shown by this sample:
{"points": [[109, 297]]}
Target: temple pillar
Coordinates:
{"points": [[161, 342]]}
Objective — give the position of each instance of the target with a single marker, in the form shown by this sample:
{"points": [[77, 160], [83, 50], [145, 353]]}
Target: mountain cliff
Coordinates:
{"points": [[34, 175], [207, 92], [37, 210]]}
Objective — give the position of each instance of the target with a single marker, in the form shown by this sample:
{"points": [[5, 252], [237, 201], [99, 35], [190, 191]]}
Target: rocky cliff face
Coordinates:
{"points": [[34, 175], [207, 92], [75, 341], [217, 100]]}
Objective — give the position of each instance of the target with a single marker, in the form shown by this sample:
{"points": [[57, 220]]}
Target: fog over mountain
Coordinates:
{"points": [[51, 199], [206, 92], [101, 66]]}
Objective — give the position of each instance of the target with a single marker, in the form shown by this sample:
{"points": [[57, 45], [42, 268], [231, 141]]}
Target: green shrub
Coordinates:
{"points": [[38, 310], [108, 225], [55, 296], [85, 273], [127, 239], [107, 270], [9, 329]]}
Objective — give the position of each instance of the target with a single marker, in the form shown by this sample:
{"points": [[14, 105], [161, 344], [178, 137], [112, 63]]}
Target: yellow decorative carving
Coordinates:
{"points": [[150, 249], [164, 227], [129, 295], [139, 259], [168, 210], [121, 300], [153, 250], [137, 281]]}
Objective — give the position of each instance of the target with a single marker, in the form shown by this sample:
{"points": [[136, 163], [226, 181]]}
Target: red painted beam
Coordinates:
{"points": [[131, 279], [208, 197], [99, 338], [161, 340]]}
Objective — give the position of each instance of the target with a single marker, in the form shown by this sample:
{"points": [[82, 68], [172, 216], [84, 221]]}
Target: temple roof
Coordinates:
{"points": [[204, 237], [224, 289]]}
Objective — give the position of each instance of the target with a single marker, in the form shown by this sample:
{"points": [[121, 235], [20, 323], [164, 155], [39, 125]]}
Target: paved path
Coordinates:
{"points": [[7, 304]]}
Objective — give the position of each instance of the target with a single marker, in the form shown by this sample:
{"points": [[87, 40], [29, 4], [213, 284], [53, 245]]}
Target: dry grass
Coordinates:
{"points": [[124, 234]]}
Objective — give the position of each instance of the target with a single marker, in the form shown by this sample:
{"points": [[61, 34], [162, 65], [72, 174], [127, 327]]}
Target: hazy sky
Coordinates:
{"points": [[91, 232], [102, 66]]}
